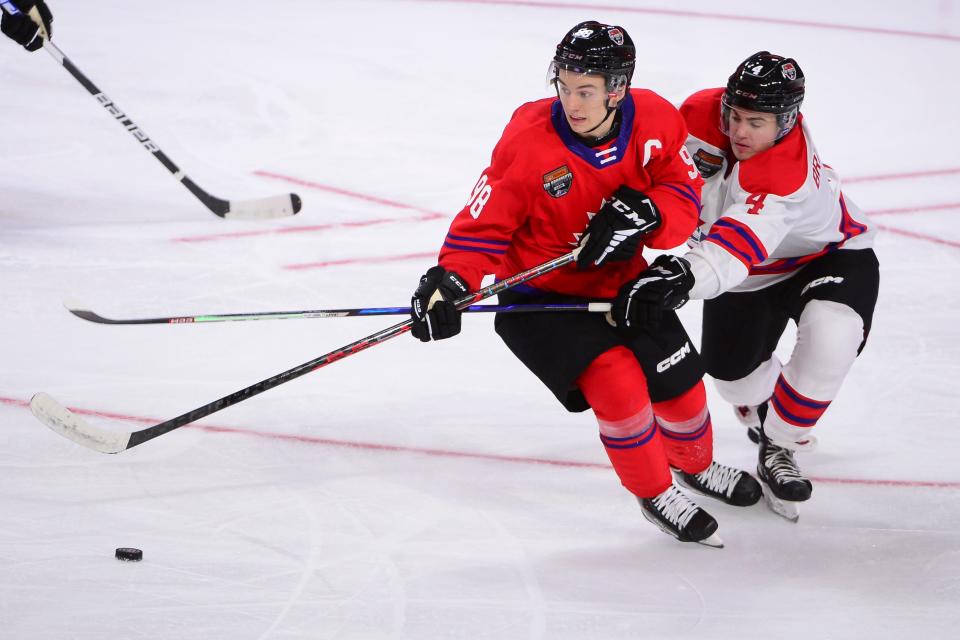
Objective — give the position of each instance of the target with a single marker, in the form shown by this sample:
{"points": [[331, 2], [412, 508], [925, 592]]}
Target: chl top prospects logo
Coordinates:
{"points": [[557, 182], [789, 71], [616, 35]]}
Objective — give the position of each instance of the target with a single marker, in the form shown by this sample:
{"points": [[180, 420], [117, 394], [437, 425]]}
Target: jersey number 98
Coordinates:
{"points": [[481, 193]]}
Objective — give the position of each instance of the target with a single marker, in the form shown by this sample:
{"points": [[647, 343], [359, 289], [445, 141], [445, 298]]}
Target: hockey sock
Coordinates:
{"points": [[687, 431], [828, 336], [616, 388]]}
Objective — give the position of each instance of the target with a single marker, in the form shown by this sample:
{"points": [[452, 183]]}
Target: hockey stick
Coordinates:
{"points": [[81, 311], [69, 425], [272, 207]]}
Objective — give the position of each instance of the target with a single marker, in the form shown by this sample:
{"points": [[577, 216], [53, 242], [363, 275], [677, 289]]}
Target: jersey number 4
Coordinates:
{"points": [[481, 193], [755, 200]]}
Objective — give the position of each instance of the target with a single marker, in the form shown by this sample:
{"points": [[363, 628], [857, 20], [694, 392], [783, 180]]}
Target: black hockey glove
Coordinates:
{"points": [[432, 310], [31, 26], [662, 286], [615, 232]]}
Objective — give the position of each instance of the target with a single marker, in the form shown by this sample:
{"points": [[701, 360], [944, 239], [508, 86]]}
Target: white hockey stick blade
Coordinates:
{"points": [[261, 208], [60, 419]]}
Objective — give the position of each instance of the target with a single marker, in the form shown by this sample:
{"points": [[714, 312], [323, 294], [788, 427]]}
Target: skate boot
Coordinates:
{"points": [[679, 516], [784, 485], [748, 417], [733, 486]]}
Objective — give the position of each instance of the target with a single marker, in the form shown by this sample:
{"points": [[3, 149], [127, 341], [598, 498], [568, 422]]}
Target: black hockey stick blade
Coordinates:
{"points": [[82, 311], [63, 421]]}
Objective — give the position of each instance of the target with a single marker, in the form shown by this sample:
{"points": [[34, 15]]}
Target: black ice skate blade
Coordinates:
{"points": [[783, 508], [713, 540]]}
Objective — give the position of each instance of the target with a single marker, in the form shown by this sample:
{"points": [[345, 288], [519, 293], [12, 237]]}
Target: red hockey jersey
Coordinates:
{"points": [[543, 184]]}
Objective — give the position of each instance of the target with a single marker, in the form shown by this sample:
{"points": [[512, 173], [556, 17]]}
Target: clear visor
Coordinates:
{"points": [[784, 121], [583, 82]]}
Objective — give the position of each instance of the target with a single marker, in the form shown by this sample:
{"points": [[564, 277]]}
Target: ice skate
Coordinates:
{"points": [[784, 485], [718, 481], [678, 515]]}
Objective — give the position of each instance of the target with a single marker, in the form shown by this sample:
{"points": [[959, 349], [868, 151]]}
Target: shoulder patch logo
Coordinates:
{"points": [[557, 182], [616, 35], [708, 164], [789, 71]]}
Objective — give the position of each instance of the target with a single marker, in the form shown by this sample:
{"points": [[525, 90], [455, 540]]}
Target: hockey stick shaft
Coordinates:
{"points": [[92, 316], [263, 208], [61, 420]]}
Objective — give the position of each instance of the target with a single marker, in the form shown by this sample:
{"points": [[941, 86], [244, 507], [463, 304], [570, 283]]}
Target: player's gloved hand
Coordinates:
{"points": [[31, 26], [663, 285], [432, 310], [615, 232]]}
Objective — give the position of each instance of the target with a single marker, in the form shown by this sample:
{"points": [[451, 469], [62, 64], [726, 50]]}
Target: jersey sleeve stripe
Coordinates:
{"points": [[463, 247], [729, 248], [745, 233], [687, 193], [503, 243]]}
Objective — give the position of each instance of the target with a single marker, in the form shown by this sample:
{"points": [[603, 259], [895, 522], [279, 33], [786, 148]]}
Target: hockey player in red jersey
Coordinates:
{"points": [[778, 240], [603, 167]]}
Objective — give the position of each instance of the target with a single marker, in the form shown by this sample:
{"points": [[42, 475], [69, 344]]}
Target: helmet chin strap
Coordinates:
{"points": [[610, 111]]}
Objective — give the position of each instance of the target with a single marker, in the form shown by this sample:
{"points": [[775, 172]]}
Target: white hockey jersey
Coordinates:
{"points": [[768, 216]]}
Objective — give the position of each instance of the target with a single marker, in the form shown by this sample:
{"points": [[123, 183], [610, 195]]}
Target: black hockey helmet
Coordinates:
{"points": [[592, 47], [767, 83]]}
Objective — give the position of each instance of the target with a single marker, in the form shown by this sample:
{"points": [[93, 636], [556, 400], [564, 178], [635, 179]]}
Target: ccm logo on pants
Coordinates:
{"points": [[820, 281], [666, 363]]}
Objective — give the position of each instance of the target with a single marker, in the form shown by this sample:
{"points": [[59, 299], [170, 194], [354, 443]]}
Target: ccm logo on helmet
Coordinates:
{"points": [[666, 363]]}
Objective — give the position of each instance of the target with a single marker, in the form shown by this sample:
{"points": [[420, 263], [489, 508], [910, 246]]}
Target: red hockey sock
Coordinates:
{"points": [[616, 388], [687, 431]]}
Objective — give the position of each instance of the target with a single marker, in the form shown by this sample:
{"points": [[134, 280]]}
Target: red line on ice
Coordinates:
{"points": [[909, 175], [711, 16], [368, 260], [919, 236], [449, 453]]}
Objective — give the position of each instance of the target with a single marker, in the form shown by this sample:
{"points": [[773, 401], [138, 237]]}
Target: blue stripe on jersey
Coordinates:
{"points": [[689, 194], [463, 247], [588, 154], [716, 237], [759, 253], [504, 243]]}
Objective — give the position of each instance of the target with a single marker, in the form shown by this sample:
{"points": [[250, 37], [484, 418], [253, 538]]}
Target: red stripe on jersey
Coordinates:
{"points": [[848, 227], [738, 240]]}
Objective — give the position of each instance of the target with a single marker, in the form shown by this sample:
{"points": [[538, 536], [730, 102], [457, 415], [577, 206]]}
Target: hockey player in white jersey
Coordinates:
{"points": [[778, 240]]}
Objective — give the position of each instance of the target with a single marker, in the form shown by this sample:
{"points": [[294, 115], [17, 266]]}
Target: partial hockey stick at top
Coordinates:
{"points": [[82, 311], [69, 425], [257, 208]]}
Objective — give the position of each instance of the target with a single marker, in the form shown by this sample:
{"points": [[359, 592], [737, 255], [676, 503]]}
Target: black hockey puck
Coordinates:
{"points": [[129, 554]]}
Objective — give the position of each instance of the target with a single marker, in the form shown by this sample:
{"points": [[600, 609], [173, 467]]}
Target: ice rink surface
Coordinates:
{"points": [[437, 491]]}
